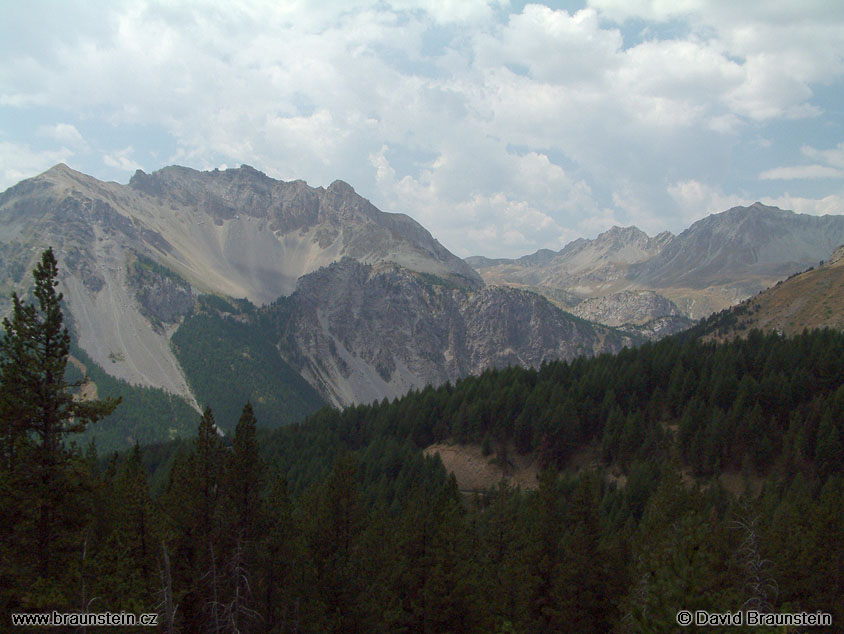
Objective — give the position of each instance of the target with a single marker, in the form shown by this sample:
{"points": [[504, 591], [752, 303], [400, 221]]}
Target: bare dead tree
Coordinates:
{"points": [[166, 608], [239, 616], [760, 586], [213, 606]]}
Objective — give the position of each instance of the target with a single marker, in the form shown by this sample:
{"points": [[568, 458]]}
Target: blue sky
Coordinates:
{"points": [[503, 127]]}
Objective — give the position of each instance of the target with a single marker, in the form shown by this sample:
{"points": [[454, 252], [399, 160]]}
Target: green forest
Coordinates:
{"points": [[340, 523], [227, 362]]}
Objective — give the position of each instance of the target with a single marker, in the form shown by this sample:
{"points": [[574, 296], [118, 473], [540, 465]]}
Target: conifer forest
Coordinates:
{"points": [[714, 482]]}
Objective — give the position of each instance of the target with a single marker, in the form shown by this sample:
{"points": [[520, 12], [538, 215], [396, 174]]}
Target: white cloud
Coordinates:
{"points": [[554, 46], [122, 160], [658, 10], [696, 200], [524, 127], [834, 168], [801, 171], [452, 11], [533, 204], [64, 133], [832, 204], [20, 161], [834, 157], [780, 48]]}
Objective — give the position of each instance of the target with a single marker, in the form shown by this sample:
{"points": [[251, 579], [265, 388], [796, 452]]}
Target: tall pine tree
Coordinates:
{"points": [[38, 410]]}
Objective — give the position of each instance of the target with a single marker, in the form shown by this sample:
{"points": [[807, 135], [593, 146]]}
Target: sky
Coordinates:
{"points": [[502, 127]]}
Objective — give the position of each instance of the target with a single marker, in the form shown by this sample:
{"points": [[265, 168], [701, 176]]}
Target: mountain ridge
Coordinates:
{"points": [[235, 233], [807, 300]]}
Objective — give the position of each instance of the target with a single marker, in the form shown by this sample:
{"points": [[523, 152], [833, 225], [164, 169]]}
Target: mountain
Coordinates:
{"points": [[134, 257], [716, 262], [362, 332], [808, 300]]}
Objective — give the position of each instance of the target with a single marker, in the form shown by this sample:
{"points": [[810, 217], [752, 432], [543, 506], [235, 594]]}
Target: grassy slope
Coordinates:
{"points": [[808, 300]]}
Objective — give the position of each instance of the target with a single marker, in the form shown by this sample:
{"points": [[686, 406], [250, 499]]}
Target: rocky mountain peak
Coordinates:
{"points": [[59, 169], [62, 175], [361, 332], [341, 188], [617, 237], [712, 264]]}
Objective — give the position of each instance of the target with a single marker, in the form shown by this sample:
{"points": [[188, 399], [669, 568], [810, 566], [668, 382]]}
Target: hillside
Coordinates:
{"points": [[313, 295], [811, 299], [343, 523]]}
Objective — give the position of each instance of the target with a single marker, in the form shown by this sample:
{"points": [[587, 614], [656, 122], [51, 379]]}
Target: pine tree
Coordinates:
{"points": [[583, 573], [335, 520], [243, 485], [245, 477], [502, 545], [544, 554], [191, 507], [127, 558], [39, 410], [283, 572]]}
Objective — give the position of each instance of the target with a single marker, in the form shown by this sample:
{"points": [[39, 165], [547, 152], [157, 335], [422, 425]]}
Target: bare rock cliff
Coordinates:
{"points": [[361, 332]]}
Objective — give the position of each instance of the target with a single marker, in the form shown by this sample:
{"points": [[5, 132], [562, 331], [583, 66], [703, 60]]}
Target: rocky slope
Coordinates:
{"points": [[362, 332], [587, 268], [716, 262]]}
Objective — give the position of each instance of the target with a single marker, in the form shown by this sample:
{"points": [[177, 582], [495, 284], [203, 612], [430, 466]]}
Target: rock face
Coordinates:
{"points": [[584, 267], [658, 327], [372, 305], [379, 306], [235, 232], [163, 297], [361, 332], [715, 263], [626, 307]]}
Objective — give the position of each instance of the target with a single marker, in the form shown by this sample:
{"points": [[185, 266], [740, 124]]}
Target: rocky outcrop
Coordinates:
{"points": [[323, 224], [626, 307], [163, 297], [658, 327]]}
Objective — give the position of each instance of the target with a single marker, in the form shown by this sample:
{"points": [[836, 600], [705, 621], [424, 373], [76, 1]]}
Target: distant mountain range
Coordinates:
{"points": [[716, 262], [224, 286]]}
